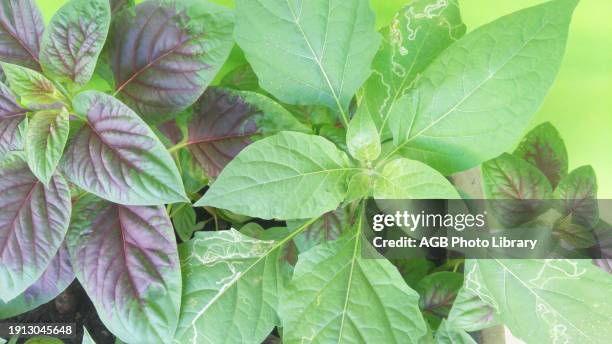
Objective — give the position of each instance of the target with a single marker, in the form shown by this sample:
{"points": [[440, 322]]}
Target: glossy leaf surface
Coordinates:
{"points": [[165, 55], [33, 222], [116, 156], [126, 259]]}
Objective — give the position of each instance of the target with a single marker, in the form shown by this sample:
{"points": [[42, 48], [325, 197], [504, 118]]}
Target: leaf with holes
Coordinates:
{"points": [[477, 96], [21, 29], [165, 55], [417, 34], [524, 191], [50, 284], [12, 122], [307, 167], [220, 268], [74, 39], [116, 156], [126, 259], [544, 148], [45, 141], [224, 122], [308, 52], [33, 222]]}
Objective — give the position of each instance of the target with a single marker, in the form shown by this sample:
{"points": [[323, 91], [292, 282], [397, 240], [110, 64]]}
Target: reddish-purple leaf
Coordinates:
{"points": [[126, 259], [116, 156], [21, 29], [11, 115], [164, 57], [578, 195], [52, 282], [33, 222], [224, 122]]}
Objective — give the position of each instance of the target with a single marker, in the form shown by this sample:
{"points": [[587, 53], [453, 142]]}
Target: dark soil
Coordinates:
{"points": [[71, 306]]}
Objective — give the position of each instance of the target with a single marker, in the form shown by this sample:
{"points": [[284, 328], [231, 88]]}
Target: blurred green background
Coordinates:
{"points": [[580, 102]]}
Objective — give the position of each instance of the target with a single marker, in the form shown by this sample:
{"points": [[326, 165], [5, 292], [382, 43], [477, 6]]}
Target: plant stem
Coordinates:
{"points": [[177, 147]]}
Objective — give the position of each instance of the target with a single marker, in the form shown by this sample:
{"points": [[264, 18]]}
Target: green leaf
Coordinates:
{"points": [[551, 300], [329, 227], [543, 147], [45, 141], [472, 103], [13, 122], [337, 296], [578, 192], [230, 288], [308, 52], [74, 39], [417, 34], [474, 308], [184, 220], [525, 190], [116, 156], [359, 187], [362, 136], [446, 334], [87, 337], [43, 340], [33, 88], [308, 170], [438, 292], [410, 179]]}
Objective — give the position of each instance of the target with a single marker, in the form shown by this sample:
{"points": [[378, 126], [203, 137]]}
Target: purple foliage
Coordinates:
{"points": [[21, 29]]}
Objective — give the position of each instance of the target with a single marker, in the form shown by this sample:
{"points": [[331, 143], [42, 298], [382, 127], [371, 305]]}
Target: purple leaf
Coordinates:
{"points": [[164, 57], [224, 122], [578, 195], [126, 259], [116, 156], [21, 29], [74, 39], [328, 227], [11, 115], [438, 292], [52, 282], [33, 222]]}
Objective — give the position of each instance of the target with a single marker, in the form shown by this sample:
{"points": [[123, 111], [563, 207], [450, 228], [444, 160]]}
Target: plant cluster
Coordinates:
{"points": [[110, 130]]}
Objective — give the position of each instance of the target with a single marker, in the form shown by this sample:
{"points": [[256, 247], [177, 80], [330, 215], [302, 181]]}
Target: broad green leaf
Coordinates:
{"points": [[474, 308], [417, 34], [117, 6], [438, 292], [335, 296], [242, 78], [43, 340], [578, 193], [472, 103], [359, 187], [362, 136], [74, 39], [87, 337], [410, 179], [413, 270], [45, 141], [33, 88], [21, 29], [116, 156], [525, 190], [308, 171], [164, 56], [33, 222], [315, 52], [551, 300], [446, 334], [224, 122], [231, 288], [543, 147], [12, 122], [57, 276], [126, 259]]}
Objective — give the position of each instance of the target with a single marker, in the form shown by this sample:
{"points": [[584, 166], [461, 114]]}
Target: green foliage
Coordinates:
{"points": [[288, 148]]}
